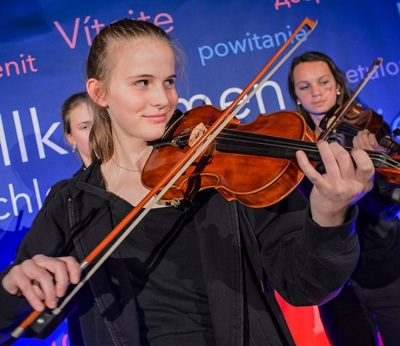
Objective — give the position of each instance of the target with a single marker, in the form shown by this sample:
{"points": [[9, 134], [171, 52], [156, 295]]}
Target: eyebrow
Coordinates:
{"points": [[306, 81], [146, 75], [85, 122]]}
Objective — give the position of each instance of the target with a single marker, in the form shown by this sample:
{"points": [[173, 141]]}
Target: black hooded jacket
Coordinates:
{"points": [[246, 254]]}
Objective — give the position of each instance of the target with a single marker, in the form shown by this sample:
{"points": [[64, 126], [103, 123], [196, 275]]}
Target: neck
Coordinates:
{"points": [[137, 170], [132, 161]]}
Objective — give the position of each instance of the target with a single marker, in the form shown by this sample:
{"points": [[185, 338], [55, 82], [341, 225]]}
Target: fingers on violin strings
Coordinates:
{"points": [[305, 165], [365, 169], [374, 142], [338, 161], [366, 140], [361, 140]]}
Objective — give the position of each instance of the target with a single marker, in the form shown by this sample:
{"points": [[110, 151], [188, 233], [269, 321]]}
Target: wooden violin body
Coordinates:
{"points": [[253, 163], [354, 119], [241, 164]]}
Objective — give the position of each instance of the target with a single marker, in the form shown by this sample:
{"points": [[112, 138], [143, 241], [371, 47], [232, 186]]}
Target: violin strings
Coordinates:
{"points": [[349, 130], [249, 138], [243, 136], [307, 146]]}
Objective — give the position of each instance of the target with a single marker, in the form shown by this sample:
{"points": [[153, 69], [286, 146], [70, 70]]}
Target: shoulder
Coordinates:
{"points": [[68, 186], [58, 186], [85, 174]]}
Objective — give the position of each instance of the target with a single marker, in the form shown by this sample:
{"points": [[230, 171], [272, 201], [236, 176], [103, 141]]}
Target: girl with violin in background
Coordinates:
{"points": [[370, 301], [198, 273]]}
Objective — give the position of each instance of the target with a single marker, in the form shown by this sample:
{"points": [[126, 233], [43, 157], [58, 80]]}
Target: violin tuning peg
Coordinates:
{"points": [[396, 132]]}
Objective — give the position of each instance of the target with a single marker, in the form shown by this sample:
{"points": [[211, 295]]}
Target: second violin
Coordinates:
{"points": [[353, 120]]}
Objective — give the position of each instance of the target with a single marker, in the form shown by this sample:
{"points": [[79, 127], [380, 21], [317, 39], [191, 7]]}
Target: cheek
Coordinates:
{"points": [[332, 98], [82, 138], [303, 97], [173, 99]]}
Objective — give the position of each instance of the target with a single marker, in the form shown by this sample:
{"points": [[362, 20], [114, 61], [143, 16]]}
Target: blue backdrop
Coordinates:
{"points": [[44, 43]]}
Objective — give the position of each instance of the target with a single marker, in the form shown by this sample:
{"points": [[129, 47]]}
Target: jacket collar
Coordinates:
{"points": [[91, 180]]}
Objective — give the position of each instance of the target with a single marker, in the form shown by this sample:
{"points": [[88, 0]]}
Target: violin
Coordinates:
{"points": [[390, 144], [342, 123], [349, 113], [263, 150], [353, 120], [254, 150], [356, 119]]}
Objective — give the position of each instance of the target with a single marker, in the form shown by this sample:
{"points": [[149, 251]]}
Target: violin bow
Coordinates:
{"points": [[338, 118], [41, 319]]}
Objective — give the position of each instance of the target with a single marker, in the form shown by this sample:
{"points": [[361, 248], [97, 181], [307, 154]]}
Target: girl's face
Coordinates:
{"points": [[315, 88], [81, 122], [141, 97]]}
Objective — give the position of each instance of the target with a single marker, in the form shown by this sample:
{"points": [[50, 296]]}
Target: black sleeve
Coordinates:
{"points": [[306, 263]]}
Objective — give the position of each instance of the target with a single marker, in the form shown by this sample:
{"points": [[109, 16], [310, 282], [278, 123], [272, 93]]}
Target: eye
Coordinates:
{"points": [[86, 126], [142, 83], [170, 82], [303, 87]]}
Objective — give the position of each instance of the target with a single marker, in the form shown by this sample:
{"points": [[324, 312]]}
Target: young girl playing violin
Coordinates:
{"points": [[370, 300], [200, 275]]}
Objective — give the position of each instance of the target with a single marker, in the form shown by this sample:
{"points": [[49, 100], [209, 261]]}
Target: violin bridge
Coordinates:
{"points": [[197, 132]]}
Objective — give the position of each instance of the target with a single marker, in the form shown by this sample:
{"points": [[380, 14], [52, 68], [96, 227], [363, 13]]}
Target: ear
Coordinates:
{"points": [[70, 139], [94, 91]]}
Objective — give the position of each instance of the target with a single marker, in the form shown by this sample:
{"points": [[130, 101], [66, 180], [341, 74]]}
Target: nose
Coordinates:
{"points": [[316, 91], [159, 97]]}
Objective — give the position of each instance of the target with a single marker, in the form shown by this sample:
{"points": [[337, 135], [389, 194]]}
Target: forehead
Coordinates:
{"points": [[142, 52], [311, 70], [80, 113]]}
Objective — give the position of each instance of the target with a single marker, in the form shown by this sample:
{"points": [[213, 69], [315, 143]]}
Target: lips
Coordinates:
{"points": [[157, 118], [318, 104]]}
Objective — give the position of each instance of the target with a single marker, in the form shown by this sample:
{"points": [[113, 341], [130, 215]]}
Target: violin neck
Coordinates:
{"points": [[246, 143], [263, 145]]}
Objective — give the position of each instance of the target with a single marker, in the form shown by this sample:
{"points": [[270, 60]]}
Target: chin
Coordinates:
{"points": [[154, 136], [320, 113]]}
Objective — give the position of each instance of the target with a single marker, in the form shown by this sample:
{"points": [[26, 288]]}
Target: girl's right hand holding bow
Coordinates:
{"points": [[42, 280]]}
